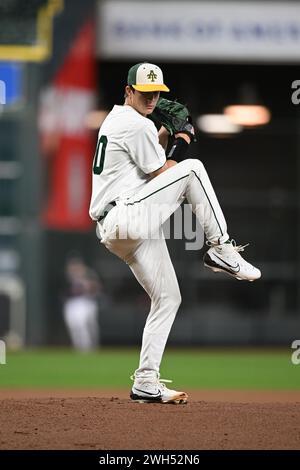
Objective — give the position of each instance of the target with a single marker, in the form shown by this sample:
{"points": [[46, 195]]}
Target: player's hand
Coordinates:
{"points": [[169, 163]]}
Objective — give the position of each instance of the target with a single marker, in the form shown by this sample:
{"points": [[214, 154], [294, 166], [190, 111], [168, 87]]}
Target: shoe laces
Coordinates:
{"points": [[233, 244]]}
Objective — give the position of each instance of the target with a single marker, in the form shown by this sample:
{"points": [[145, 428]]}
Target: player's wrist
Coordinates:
{"points": [[178, 149], [184, 136]]}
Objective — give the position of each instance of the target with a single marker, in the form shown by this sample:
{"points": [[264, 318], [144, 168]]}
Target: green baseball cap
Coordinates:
{"points": [[146, 77]]}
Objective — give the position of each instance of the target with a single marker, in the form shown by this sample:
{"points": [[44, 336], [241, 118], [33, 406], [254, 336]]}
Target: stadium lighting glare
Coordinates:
{"points": [[94, 119], [217, 124], [248, 115]]}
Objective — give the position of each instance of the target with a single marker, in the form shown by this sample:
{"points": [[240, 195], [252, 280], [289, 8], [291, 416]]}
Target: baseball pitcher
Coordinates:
{"points": [[136, 188]]}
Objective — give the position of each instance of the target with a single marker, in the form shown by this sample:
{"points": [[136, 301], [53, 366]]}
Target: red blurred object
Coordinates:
{"points": [[65, 140]]}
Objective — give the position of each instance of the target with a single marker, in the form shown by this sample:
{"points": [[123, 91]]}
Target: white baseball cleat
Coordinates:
{"points": [[153, 390], [226, 258]]}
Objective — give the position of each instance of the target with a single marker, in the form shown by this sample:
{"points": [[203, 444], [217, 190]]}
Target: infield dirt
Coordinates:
{"points": [[106, 420]]}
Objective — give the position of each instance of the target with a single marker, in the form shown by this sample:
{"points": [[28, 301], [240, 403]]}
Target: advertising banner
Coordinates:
{"points": [[204, 31]]}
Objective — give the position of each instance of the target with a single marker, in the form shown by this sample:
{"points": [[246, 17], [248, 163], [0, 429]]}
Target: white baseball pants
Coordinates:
{"points": [[81, 319], [148, 256]]}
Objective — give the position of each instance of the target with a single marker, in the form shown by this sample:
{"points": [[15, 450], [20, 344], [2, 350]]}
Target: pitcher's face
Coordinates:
{"points": [[143, 102]]}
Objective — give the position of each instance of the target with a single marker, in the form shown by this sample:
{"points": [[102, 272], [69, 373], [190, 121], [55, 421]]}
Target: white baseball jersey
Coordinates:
{"points": [[128, 149]]}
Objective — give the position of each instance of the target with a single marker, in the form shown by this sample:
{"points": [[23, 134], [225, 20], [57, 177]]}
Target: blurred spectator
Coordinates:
{"points": [[81, 304]]}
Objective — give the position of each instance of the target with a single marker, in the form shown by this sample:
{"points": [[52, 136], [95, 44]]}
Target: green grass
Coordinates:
{"points": [[110, 368]]}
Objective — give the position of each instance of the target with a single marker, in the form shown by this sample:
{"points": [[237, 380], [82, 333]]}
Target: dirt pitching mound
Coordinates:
{"points": [[116, 423]]}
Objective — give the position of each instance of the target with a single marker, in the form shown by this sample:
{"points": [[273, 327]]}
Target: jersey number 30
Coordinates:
{"points": [[100, 155]]}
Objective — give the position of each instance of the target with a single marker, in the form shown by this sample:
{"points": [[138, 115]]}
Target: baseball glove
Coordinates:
{"points": [[174, 116]]}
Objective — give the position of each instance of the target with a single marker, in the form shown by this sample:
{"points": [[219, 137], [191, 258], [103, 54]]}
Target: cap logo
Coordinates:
{"points": [[152, 76]]}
